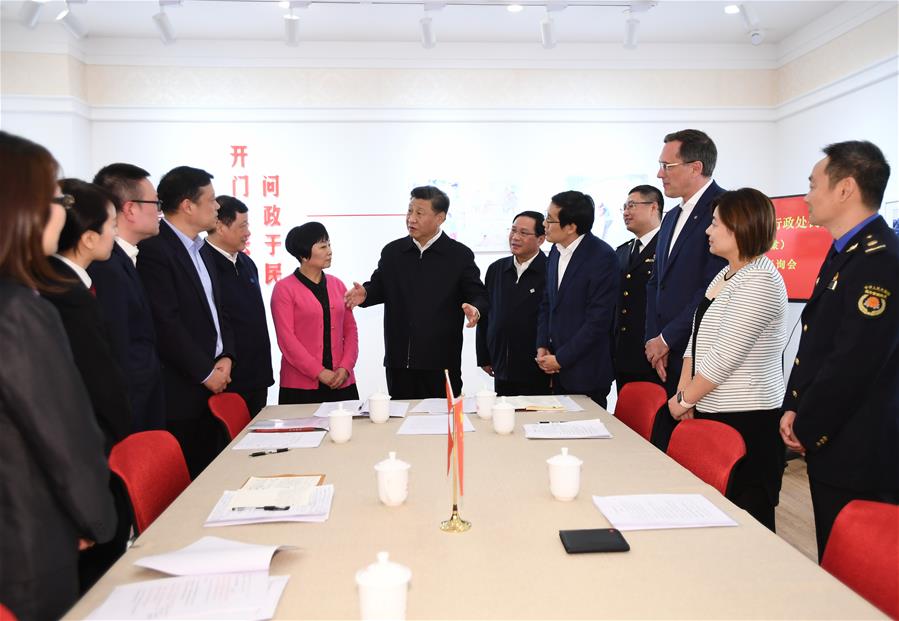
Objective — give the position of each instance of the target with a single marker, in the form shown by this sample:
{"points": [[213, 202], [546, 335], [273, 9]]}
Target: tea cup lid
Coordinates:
{"points": [[391, 463], [380, 394], [564, 459], [383, 573], [340, 411], [485, 392], [502, 404]]}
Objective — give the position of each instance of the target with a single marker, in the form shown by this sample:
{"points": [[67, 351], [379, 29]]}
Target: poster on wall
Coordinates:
{"points": [[799, 247]]}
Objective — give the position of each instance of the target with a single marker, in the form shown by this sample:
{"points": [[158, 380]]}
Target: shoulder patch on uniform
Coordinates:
{"points": [[873, 301], [873, 249]]}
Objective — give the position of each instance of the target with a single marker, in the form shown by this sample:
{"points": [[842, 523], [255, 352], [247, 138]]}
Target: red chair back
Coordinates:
{"points": [[638, 404], [231, 409], [708, 449], [152, 467], [863, 552], [6, 614]]}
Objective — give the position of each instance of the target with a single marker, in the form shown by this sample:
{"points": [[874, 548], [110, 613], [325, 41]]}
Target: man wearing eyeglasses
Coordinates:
{"points": [[684, 267], [507, 333], [121, 296], [636, 258]]}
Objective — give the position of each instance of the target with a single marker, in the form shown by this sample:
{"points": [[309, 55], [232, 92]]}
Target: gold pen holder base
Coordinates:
{"points": [[455, 524]]}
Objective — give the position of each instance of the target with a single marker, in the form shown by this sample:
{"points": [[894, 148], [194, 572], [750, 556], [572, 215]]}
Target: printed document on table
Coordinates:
{"points": [[274, 497], [318, 510], [429, 426], [661, 511], [290, 424], [290, 440], [437, 405], [572, 429], [352, 405], [249, 596], [536, 403], [212, 555], [569, 403], [285, 481]]}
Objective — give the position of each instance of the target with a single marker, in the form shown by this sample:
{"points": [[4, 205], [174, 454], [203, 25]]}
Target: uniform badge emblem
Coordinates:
{"points": [[873, 301]]}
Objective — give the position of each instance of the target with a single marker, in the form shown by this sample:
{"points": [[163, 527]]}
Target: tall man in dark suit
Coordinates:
{"points": [[506, 335], [242, 302], [428, 283], [195, 341], [842, 401], [636, 258], [574, 328], [120, 292], [684, 267]]}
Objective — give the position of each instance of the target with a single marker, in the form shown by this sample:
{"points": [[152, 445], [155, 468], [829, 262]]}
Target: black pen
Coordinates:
{"points": [[265, 508], [271, 452]]}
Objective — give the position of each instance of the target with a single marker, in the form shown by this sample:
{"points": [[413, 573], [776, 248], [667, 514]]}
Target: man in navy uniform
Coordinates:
{"points": [[842, 402], [506, 335], [241, 302], [636, 258]]}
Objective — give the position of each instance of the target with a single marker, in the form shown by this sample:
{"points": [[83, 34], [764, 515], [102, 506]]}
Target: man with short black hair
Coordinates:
{"points": [[121, 296], [842, 402], [196, 344], [574, 328], [241, 299], [642, 213], [506, 335], [428, 283], [684, 267]]}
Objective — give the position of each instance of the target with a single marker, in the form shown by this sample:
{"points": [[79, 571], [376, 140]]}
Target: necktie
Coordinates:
{"points": [[635, 252]]}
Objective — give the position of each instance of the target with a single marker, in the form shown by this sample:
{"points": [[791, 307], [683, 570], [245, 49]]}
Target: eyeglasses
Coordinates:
{"points": [[157, 203], [668, 166], [628, 206], [514, 231], [67, 201], [548, 220]]}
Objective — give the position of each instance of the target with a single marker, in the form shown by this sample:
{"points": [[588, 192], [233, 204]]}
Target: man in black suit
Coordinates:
{"points": [[195, 341], [684, 267], [428, 283], [842, 402], [121, 296], [242, 302], [642, 216], [506, 335]]}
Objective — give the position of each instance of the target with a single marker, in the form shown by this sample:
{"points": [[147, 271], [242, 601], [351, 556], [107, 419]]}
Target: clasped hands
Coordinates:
{"points": [[333, 379], [547, 361], [657, 355], [220, 377]]}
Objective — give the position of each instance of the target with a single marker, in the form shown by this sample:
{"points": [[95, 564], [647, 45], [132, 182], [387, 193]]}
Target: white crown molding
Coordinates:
{"points": [[844, 18], [29, 104]]}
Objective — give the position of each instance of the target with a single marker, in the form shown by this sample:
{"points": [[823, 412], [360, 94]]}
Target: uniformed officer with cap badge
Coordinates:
{"points": [[841, 407]]}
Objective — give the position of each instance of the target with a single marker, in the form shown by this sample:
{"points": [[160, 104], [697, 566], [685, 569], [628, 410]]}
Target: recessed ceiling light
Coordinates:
{"points": [[732, 9], [514, 8]]}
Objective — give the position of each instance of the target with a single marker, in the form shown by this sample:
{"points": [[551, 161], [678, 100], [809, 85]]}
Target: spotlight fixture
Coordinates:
{"points": [[292, 29], [30, 12], [757, 37], [164, 26], [514, 8], [630, 33], [428, 38], [547, 36], [71, 23], [751, 21]]}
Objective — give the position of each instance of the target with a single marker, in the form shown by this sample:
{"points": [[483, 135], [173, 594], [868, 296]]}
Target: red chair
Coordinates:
{"points": [[863, 552], [638, 404], [231, 409], [6, 614], [152, 467], [708, 449]]}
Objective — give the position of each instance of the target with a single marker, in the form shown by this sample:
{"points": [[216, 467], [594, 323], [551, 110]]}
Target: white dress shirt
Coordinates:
{"points": [[565, 257], [686, 209], [520, 268], [428, 244], [79, 271], [645, 239], [228, 255], [130, 249]]}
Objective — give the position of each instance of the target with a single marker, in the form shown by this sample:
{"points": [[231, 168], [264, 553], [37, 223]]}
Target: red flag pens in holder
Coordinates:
{"points": [[455, 457]]}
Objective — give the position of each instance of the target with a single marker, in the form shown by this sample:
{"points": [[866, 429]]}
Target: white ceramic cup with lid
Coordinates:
{"points": [[341, 425], [393, 480], [379, 407], [382, 589], [503, 417], [564, 475], [485, 399]]}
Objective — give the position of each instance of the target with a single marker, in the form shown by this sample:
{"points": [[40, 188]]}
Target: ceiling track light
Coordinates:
{"points": [[630, 33], [428, 37], [292, 29], [71, 23], [164, 26], [30, 13], [547, 36], [751, 21]]}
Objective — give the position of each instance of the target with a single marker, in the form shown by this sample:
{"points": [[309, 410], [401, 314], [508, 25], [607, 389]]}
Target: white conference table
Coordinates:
{"points": [[511, 564]]}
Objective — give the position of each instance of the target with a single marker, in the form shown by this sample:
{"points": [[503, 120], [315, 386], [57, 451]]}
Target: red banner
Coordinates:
{"points": [[799, 247]]}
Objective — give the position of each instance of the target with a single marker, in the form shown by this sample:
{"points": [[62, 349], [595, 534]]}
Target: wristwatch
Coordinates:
{"points": [[681, 402]]}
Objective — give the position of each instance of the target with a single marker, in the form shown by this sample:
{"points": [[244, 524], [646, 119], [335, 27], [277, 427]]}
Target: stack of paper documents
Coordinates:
{"points": [[430, 426], [213, 555], [438, 406], [661, 511], [572, 429], [283, 425], [360, 408], [287, 440], [274, 499], [536, 403]]}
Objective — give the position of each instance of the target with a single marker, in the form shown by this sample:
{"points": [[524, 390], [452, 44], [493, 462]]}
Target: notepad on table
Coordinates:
{"points": [[661, 511], [571, 429], [318, 510]]}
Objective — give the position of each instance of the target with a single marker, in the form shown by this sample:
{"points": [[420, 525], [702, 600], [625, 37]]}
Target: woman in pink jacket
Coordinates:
{"points": [[316, 332]]}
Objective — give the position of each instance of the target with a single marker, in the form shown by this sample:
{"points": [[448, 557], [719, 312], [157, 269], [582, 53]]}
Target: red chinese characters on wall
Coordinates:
{"points": [[799, 247]]}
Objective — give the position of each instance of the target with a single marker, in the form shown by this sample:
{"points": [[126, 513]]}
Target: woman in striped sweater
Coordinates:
{"points": [[733, 370]]}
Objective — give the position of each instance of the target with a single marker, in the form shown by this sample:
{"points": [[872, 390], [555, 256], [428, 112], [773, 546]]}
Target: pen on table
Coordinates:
{"points": [[270, 452], [265, 508], [549, 422]]}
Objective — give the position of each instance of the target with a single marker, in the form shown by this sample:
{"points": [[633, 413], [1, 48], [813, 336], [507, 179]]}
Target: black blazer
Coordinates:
{"points": [[54, 481], [423, 297], [507, 335], [93, 356], [186, 335], [844, 384], [129, 324], [576, 320], [630, 315], [242, 303]]}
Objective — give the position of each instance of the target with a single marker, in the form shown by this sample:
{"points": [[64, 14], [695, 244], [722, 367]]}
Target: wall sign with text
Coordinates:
{"points": [[799, 247]]}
